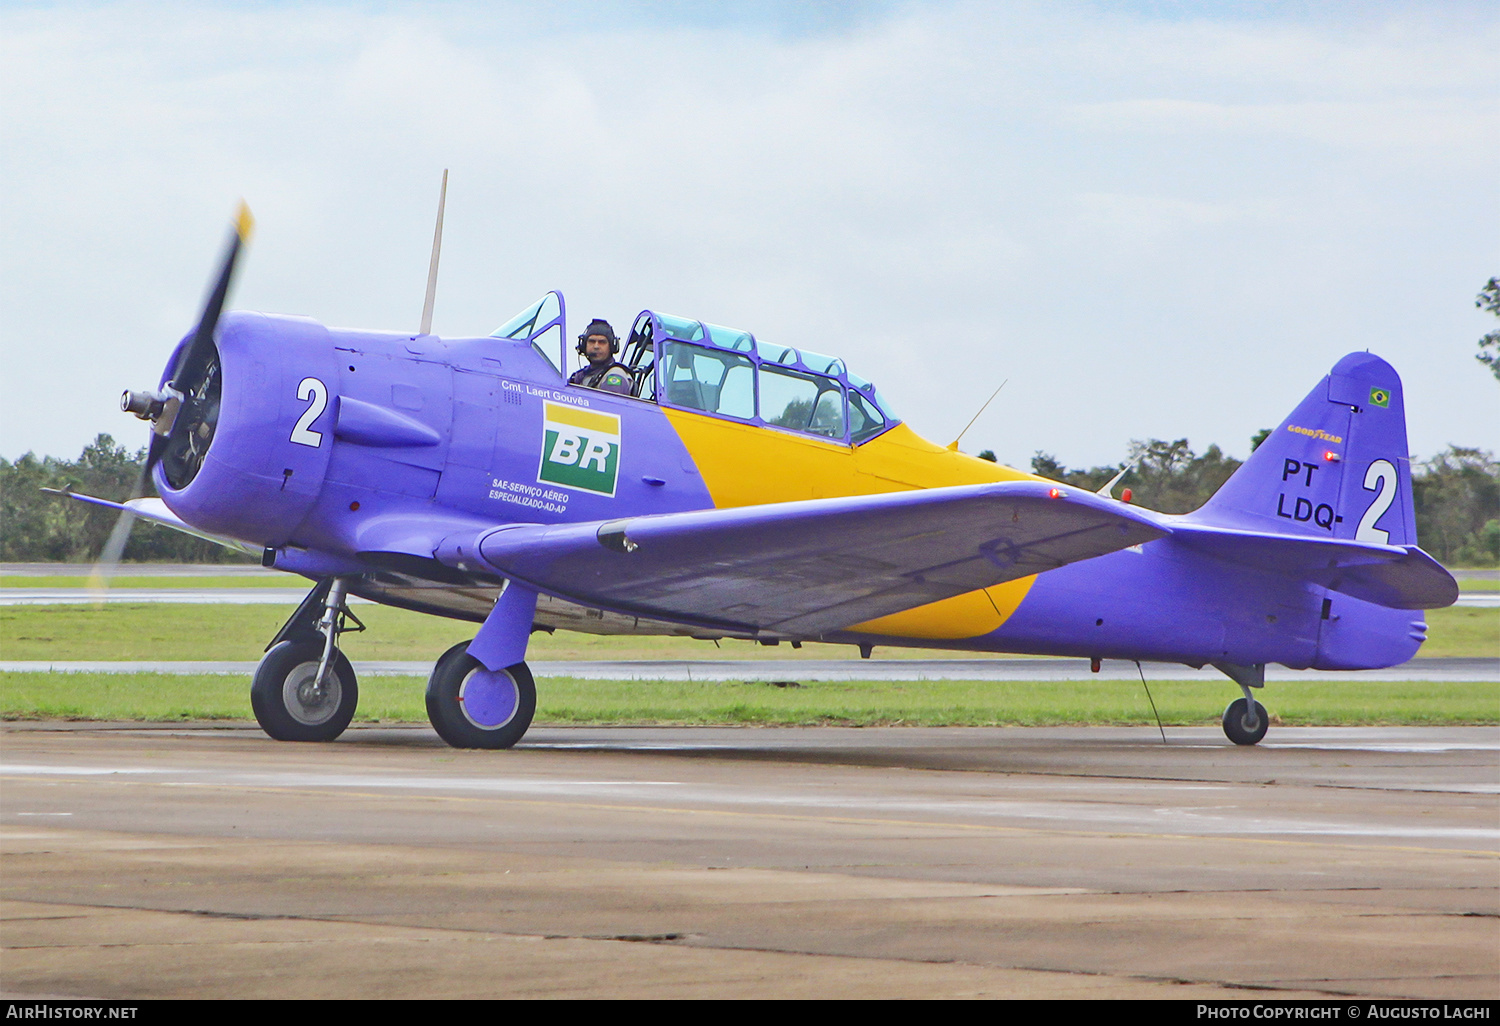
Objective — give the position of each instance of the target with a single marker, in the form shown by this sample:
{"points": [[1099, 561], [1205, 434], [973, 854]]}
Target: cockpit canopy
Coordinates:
{"points": [[726, 372]]}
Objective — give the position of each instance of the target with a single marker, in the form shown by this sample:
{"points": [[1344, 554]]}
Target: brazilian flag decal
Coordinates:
{"points": [[580, 449], [1380, 397]]}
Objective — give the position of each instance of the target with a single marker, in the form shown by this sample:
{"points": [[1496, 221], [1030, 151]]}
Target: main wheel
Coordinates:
{"points": [[289, 706], [471, 707], [1237, 726]]}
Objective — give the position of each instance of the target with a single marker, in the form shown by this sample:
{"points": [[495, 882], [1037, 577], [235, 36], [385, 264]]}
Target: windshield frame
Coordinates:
{"points": [[669, 328], [526, 328]]}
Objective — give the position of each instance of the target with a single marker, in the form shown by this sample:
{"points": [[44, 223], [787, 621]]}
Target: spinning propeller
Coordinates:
{"points": [[184, 413]]}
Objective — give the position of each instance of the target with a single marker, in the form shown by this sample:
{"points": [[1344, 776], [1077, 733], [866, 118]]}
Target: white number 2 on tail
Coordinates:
{"points": [[1381, 475], [312, 388]]}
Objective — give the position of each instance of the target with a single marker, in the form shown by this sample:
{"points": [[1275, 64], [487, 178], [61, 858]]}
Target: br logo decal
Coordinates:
{"points": [[1380, 397], [580, 449]]}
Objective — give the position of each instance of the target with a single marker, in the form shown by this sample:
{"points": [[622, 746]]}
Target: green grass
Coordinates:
{"points": [[161, 697], [1477, 584], [144, 631], [125, 631], [1462, 631]]}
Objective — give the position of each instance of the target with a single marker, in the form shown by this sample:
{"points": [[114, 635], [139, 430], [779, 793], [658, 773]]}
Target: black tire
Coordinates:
{"points": [[1240, 732], [471, 707], [280, 693]]}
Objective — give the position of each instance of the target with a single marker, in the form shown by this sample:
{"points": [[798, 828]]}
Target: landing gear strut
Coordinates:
{"points": [[304, 688]]}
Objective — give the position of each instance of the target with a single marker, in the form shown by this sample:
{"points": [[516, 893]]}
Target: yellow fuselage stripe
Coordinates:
{"points": [[745, 465]]}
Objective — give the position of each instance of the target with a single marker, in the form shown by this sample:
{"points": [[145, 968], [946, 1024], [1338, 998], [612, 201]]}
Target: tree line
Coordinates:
{"points": [[1457, 497], [1456, 492], [37, 528]]}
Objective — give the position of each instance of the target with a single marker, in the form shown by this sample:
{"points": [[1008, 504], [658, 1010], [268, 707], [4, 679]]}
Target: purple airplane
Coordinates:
{"points": [[743, 489]]}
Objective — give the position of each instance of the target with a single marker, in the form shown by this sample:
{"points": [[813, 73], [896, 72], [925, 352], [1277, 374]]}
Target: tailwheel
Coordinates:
{"points": [[1243, 724], [472, 707], [289, 702]]}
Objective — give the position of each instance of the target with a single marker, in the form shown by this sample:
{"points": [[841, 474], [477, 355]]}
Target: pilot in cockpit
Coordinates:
{"points": [[599, 345]]}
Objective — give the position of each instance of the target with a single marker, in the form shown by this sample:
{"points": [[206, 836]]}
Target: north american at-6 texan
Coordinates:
{"points": [[743, 489]]}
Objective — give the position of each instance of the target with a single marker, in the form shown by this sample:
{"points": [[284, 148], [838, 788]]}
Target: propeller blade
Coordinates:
{"points": [[109, 558], [119, 536], [194, 358], [191, 366], [153, 457]]}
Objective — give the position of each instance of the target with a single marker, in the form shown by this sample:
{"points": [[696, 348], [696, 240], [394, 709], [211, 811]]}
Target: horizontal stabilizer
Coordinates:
{"points": [[808, 568], [155, 511], [1396, 576]]}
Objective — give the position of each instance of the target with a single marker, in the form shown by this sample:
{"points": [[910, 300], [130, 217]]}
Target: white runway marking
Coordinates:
{"points": [[1435, 746], [189, 596], [811, 798]]}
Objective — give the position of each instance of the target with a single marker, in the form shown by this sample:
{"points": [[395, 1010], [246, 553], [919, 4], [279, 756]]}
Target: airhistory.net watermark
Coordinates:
{"points": [[68, 1010]]}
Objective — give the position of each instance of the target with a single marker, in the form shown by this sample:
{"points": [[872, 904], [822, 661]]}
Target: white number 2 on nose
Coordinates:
{"points": [[312, 388]]}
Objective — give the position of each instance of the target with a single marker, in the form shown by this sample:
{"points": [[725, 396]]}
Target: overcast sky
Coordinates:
{"points": [[1155, 219]]}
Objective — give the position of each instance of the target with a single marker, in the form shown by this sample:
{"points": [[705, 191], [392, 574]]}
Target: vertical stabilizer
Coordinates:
{"points": [[1338, 467]]}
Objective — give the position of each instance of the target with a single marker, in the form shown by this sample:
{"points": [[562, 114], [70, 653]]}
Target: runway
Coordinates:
{"points": [[996, 669], [248, 596], [209, 861]]}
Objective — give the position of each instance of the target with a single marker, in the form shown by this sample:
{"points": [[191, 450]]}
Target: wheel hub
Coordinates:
{"points": [[308, 702], [489, 700]]}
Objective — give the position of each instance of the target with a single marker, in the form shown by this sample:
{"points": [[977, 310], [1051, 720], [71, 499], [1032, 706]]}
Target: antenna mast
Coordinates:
{"points": [[437, 246], [954, 444]]}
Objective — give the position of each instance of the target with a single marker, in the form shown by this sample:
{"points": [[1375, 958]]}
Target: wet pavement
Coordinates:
{"points": [[206, 860]]}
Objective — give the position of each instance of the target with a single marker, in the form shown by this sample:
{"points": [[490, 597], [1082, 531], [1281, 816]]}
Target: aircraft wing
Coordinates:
{"points": [[808, 568], [1396, 576], [155, 511]]}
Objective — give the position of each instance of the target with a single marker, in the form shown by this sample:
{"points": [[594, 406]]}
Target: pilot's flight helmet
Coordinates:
{"points": [[598, 326]]}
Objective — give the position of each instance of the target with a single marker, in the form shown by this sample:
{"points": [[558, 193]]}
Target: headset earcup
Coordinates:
{"points": [[583, 343]]}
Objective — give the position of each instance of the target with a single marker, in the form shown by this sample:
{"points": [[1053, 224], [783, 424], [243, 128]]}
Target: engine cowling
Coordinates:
{"points": [[268, 437]]}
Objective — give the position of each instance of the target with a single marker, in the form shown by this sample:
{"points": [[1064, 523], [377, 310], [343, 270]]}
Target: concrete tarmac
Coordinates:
{"points": [[209, 861]]}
